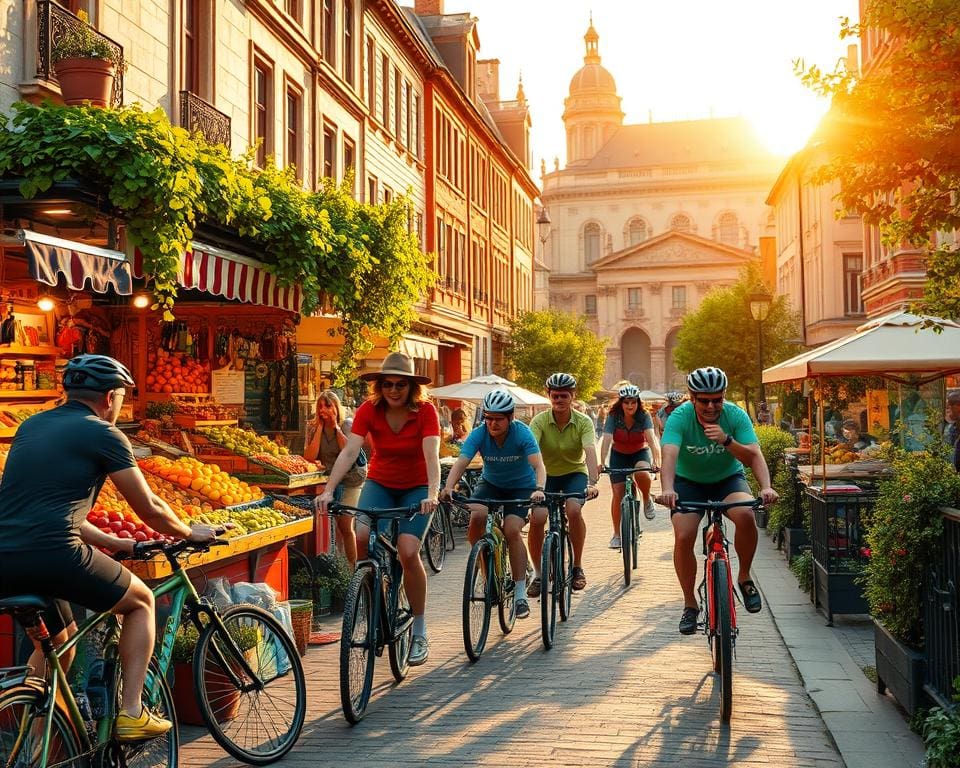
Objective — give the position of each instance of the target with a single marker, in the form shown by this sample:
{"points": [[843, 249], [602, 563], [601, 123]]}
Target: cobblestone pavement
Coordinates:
{"points": [[621, 687]]}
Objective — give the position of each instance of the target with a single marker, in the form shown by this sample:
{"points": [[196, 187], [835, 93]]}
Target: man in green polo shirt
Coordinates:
{"points": [[568, 445]]}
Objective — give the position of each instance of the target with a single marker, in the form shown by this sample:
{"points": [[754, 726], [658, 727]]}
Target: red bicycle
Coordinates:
{"points": [[717, 595]]}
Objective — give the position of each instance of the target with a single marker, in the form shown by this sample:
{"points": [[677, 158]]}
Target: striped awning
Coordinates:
{"points": [[222, 273], [80, 264]]}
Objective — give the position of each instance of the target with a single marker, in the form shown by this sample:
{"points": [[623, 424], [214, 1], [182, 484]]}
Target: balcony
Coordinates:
{"points": [[199, 116], [634, 313], [53, 22]]}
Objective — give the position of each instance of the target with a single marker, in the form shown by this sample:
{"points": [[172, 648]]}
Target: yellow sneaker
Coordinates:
{"points": [[147, 726]]}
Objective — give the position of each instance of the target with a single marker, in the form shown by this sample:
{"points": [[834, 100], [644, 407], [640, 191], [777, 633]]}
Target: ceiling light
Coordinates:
{"points": [[46, 303], [58, 211], [142, 300]]}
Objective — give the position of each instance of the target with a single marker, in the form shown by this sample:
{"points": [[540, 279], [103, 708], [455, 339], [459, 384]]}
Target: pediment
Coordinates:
{"points": [[672, 248]]}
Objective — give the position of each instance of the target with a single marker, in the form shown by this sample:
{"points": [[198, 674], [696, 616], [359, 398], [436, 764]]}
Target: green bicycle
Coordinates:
{"points": [[631, 529], [247, 675]]}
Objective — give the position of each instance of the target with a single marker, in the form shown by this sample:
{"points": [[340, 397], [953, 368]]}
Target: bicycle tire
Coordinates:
{"points": [[477, 600], [434, 543], [16, 703], [723, 637], [566, 578], [138, 754], [636, 533], [450, 541], [626, 531], [549, 599], [506, 593], [278, 690], [399, 651], [357, 654]]}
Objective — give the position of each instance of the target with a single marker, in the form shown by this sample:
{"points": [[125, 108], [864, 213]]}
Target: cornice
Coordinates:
{"points": [[332, 85], [291, 35]]}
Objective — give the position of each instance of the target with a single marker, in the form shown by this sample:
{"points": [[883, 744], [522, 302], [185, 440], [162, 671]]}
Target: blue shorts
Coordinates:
{"points": [[625, 461], [573, 482], [485, 490], [688, 490], [376, 496]]}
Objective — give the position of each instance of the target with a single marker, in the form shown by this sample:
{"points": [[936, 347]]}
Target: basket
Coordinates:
{"points": [[301, 616]]}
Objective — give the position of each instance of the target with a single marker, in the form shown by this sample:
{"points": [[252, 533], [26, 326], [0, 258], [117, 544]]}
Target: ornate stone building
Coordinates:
{"points": [[646, 218]]}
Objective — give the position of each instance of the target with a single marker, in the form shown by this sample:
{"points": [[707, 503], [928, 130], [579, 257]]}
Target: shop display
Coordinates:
{"points": [[291, 465], [242, 442], [208, 481], [171, 372], [205, 409]]}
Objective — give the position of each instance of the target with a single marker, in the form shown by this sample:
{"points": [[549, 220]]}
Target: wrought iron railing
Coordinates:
{"points": [[941, 621], [838, 524], [199, 116], [53, 22]]}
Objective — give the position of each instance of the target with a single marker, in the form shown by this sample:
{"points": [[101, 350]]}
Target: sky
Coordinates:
{"points": [[672, 59]]}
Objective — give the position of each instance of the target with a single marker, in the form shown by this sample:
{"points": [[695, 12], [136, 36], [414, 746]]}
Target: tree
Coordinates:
{"points": [[722, 332], [893, 134], [548, 341]]}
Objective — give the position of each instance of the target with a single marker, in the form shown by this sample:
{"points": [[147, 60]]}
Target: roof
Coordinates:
{"points": [[693, 247], [592, 77]]}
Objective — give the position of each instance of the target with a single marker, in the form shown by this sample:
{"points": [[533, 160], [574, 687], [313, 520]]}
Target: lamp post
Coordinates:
{"points": [[760, 302], [543, 232]]}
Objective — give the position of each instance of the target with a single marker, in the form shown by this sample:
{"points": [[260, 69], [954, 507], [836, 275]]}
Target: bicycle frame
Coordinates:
{"points": [[715, 546]]}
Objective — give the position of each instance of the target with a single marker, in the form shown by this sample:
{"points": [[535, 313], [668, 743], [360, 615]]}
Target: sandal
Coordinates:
{"points": [[579, 579], [751, 596]]}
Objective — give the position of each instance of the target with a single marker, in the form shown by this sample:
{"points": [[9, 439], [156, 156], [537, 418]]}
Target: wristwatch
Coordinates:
{"points": [[727, 442]]}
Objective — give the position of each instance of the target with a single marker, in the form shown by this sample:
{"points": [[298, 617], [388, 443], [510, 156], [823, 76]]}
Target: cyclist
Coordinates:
{"points": [[512, 468], [569, 447], [404, 470], [48, 547], [630, 429], [673, 402], [706, 443]]}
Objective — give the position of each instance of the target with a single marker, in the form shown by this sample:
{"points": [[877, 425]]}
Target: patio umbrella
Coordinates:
{"points": [[473, 390]]}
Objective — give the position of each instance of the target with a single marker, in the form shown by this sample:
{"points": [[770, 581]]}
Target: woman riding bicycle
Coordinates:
{"points": [[630, 429], [404, 470]]}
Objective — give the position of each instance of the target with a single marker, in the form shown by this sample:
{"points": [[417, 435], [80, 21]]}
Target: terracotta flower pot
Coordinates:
{"points": [[84, 80], [186, 700]]}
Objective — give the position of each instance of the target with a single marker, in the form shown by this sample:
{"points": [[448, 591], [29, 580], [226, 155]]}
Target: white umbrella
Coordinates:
{"points": [[474, 390]]}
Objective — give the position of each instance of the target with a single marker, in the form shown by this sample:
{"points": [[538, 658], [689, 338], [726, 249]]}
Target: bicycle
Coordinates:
{"points": [[376, 612], [439, 539], [247, 674], [488, 580], [556, 567], [631, 526], [716, 593]]}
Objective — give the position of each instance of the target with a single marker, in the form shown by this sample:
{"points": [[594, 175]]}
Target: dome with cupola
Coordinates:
{"points": [[592, 76]]}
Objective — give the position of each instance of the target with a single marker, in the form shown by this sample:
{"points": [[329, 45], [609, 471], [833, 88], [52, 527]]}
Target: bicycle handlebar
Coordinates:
{"points": [[144, 550], [550, 495], [459, 498], [628, 470], [716, 506], [389, 513]]}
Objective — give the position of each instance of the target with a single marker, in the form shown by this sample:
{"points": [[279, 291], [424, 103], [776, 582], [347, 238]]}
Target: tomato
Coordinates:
{"points": [[140, 536], [124, 535], [129, 526], [116, 526], [115, 516]]}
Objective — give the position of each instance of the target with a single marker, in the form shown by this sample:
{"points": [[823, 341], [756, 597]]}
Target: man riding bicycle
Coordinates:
{"points": [[706, 443], [512, 469], [673, 402], [569, 447], [58, 462]]}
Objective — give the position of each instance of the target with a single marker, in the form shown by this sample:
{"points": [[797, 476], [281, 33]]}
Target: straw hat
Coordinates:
{"points": [[396, 364]]}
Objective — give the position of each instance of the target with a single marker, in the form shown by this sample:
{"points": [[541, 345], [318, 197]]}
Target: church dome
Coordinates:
{"points": [[592, 76]]}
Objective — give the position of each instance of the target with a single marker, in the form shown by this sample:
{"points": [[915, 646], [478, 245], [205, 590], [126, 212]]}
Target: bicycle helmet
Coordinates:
{"points": [[674, 397], [629, 390], [498, 401], [561, 381], [707, 379], [96, 372]]}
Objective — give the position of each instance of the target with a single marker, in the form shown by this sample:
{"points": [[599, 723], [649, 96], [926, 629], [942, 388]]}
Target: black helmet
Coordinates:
{"points": [[96, 372]]}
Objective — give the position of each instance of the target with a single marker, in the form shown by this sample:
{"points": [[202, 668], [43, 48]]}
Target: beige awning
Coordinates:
{"points": [[419, 347]]}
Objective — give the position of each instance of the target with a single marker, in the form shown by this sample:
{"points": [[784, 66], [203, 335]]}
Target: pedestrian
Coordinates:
{"points": [[764, 417], [458, 426], [951, 430]]}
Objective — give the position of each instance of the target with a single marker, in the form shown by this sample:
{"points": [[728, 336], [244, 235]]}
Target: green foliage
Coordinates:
{"points": [[547, 341], [780, 513], [941, 733], [185, 641], [333, 574], [773, 444], [82, 42], [903, 536], [722, 332], [893, 135], [157, 409], [802, 567]]}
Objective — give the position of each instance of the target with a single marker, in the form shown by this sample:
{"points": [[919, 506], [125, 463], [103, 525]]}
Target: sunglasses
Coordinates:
{"points": [[709, 400], [394, 384]]}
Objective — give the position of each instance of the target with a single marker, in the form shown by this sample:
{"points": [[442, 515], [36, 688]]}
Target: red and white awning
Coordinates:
{"points": [[49, 257], [234, 277]]}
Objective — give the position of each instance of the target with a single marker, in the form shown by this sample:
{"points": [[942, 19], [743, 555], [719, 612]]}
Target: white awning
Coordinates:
{"points": [[419, 347]]}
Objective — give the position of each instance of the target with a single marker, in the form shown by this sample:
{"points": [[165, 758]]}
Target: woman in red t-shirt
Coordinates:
{"points": [[404, 470]]}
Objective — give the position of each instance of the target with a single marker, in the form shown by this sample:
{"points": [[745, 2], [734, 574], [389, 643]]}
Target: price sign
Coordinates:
{"points": [[228, 386]]}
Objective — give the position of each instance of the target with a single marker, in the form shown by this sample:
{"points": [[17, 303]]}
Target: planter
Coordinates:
{"points": [[301, 616], [837, 593], [793, 540], [900, 669], [83, 80], [186, 699], [324, 602]]}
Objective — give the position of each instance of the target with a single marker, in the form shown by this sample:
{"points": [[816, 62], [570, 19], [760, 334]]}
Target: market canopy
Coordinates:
{"points": [[474, 390], [897, 342]]}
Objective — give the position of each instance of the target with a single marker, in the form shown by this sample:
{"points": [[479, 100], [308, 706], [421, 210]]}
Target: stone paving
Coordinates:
{"points": [[621, 687]]}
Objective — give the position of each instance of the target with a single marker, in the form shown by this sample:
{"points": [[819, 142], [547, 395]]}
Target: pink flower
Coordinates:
{"points": [[907, 497]]}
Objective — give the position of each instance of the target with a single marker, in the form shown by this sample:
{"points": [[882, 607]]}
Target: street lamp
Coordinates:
{"points": [[760, 302], [543, 230]]}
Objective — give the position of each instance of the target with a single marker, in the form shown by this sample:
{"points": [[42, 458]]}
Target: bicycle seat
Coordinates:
{"points": [[23, 601]]}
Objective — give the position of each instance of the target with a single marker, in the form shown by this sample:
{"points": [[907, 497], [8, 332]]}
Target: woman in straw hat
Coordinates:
{"points": [[404, 470]]}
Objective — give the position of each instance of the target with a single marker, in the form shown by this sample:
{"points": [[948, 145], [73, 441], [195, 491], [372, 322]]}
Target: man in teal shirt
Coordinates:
{"points": [[706, 443]]}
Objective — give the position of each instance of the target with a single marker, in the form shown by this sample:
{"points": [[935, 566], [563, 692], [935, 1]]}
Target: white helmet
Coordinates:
{"points": [[629, 390], [498, 401], [707, 379], [561, 381]]}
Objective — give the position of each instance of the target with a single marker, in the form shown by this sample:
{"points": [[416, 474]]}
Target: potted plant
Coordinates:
{"points": [[185, 697], [85, 64], [941, 733], [902, 540], [332, 575]]}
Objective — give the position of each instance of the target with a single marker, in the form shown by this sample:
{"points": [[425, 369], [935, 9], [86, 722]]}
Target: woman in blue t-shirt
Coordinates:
{"points": [[630, 429]]}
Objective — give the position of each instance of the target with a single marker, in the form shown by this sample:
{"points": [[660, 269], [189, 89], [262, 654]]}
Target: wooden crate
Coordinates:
{"points": [[185, 420]]}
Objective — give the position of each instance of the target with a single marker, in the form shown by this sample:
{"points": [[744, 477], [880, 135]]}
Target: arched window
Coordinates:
{"points": [[637, 231], [681, 223], [728, 229], [591, 243]]}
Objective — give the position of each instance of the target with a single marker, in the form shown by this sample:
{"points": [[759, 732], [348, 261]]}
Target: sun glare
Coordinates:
{"points": [[785, 124]]}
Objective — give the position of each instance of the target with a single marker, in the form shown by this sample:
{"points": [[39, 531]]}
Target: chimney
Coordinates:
{"points": [[428, 7]]}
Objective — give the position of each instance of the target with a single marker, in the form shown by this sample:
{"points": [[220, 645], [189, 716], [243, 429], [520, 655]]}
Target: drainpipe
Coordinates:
{"points": [[803, 281]]}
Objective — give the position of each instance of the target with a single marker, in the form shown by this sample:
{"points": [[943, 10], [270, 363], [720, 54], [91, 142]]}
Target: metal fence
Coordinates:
{"points": [[942, 613], [837, 528]]}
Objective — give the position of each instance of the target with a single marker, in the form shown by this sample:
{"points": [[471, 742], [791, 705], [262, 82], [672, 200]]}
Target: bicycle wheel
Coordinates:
{"points": [[636, 532], [477, 598], [163, 750], [250, 685], [450, 541], [403, 628], [435, 542], [507, 594], [21, 730], [549, 586], [722, 638], [357, 646], [566, 578], [626, 533]]}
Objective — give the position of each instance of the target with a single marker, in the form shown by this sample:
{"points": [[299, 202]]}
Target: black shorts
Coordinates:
{"points": [[485, 490], [688, 490], [81, 575], [626, 461]]}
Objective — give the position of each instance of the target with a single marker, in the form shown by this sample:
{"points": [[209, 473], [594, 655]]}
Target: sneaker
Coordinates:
{"points": [[579, 579], [751, 596], [419, 651], [615, 542], [533, 588], [688, 622], [146, 726], [649, 509], [521, 608]]}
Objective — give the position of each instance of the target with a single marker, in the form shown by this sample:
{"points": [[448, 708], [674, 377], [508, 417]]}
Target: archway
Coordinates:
{"points": [[673, 379], [635, 351]]}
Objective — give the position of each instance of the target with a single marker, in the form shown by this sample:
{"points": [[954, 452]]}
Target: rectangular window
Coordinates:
{"points": [[294, 138], [191, 47], [262, 110], [372, 190], [292, 7], [398, 103], [371, 76], [387, 194], [853, 284], [407, 132], [590, 305], [416, 127], [679, 297], [329, 151], [349, 154], [385, 80], [348, 41], [329, 22], [634, 298]]}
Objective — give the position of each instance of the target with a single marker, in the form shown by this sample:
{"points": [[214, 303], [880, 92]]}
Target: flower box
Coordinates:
{"points": [[900, 669]]}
